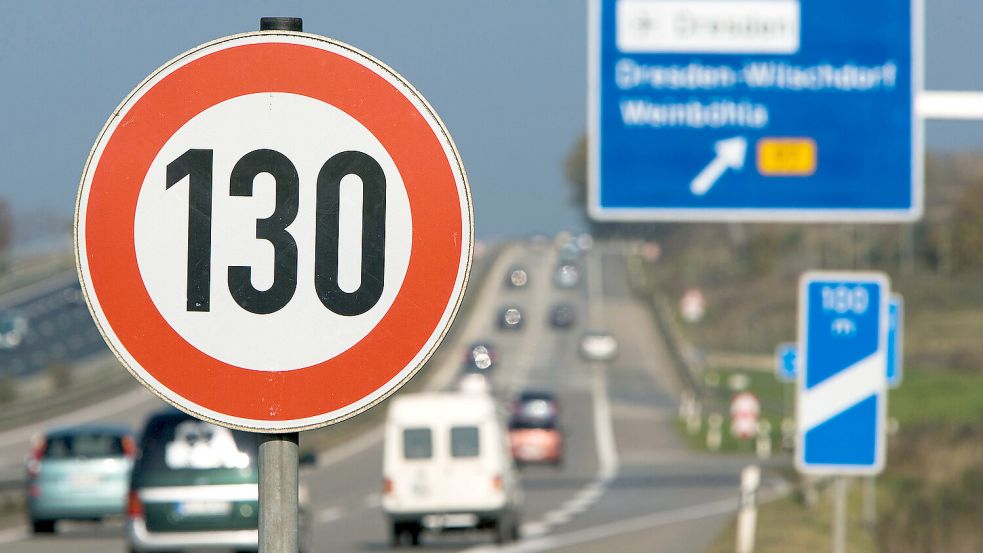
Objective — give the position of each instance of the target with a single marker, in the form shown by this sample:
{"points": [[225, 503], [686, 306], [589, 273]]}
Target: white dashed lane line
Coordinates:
{"points": [[331, 514], [372, 501]]}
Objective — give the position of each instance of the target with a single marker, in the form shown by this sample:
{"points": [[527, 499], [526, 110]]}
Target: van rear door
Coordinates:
{"points": [[447, 469]]}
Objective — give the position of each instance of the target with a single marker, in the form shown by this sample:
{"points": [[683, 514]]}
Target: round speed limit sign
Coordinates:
{"points": [[274, 231]]}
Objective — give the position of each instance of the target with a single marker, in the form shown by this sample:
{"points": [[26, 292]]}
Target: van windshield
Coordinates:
{"points": [[417, 443], [465, 441], [176, 450]]}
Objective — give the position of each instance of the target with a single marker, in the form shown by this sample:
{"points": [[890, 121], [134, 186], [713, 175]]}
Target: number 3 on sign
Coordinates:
{"points": [[196, 165]]}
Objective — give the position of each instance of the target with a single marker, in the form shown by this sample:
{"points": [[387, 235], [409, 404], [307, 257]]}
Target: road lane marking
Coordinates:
{"points": [[534, 530], [604, 441], [330, 514], [556, 518], [14, 534], [532, 339], [689, 513], [372, 501]]}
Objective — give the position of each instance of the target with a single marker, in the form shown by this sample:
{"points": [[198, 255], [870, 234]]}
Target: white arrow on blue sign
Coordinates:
{"points": [[842, 377], [786, 356], [895, 341]]}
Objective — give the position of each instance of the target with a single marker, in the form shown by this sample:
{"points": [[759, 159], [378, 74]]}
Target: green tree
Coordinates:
{"points": [[966, 230]]}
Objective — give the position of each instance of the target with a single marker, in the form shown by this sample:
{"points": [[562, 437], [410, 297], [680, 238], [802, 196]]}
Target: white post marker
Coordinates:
{"points": [[747, 516]]}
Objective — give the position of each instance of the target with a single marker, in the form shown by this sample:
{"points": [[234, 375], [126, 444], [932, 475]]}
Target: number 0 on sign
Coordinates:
{"points": [[274, 231]]}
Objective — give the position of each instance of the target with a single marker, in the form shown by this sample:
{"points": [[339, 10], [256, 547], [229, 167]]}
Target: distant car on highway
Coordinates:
{"points": [[480, 356], [446, 467], [598, 346], [194, 486], [13, 329], [518, 277], [534, 428], [569, 253], [563, 316], [472, 382], [567, 275], [78, 473], [510, 318]]}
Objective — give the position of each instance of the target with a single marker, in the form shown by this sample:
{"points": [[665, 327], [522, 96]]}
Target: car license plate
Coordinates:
{"points": [[459, 520], [530, 452], [85, 480], [204, 508]]}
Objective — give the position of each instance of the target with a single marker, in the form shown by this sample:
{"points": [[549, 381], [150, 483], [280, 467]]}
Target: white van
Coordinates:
{"points": [[447, 466]]}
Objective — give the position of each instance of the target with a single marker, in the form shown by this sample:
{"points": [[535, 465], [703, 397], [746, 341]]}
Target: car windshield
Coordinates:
{"points": [[89, 445]]}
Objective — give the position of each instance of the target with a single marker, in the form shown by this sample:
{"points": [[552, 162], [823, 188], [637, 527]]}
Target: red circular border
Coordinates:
{"points": [[435, 205]]}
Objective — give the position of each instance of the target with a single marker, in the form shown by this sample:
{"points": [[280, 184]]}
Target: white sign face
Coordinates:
{"points": [[274, 250], [711, 26], [226, 331]]}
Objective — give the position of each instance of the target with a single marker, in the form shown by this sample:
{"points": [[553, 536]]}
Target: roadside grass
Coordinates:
{"points": [[787, 525], [936, 397]]}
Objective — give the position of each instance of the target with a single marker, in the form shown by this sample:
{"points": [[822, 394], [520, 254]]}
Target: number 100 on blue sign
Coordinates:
{"points": [[842, 400]]}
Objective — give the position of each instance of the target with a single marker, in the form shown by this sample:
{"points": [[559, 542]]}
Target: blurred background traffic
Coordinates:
{"points": [[586, 398]]}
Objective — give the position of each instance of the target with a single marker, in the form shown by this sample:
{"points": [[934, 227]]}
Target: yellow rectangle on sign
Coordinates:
{"points": [[786, 157]]}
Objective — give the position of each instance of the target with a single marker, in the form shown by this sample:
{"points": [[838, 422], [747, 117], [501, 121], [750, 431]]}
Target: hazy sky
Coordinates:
{"points": [[507, 77]]}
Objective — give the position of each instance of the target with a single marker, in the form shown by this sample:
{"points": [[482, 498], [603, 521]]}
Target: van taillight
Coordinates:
{"points": [[134, 507], [497, 482], [387, 486]]}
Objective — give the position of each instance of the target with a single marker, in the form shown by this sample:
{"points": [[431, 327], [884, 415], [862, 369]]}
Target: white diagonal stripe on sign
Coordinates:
{"points": [[840, 392]]}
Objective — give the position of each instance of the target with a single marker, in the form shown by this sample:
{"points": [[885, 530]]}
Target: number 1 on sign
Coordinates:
{"points": [[197, 166]]}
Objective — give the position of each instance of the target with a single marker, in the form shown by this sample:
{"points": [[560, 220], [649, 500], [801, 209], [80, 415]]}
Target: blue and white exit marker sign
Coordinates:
{"points": [[842, 372]]}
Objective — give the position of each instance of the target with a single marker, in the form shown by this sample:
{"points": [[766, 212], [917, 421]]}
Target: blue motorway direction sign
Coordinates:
{"points": [[895, 341], [794, 110], [842, 381], [786, 356]]}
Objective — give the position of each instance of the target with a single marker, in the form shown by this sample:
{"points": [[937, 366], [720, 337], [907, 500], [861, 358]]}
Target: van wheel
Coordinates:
{"points": [[43, 526], [504, 529]]}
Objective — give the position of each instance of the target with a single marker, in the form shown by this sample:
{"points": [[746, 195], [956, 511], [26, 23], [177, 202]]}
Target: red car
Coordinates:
{"points": [[534, 429]]}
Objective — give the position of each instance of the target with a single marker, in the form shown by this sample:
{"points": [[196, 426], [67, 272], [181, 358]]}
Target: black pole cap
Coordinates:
{"points": [[281, 24]]}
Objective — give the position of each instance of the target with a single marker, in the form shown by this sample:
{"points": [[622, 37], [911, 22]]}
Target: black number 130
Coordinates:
{"points": [[197, 166]]}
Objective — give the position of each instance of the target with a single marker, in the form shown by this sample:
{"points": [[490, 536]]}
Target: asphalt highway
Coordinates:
{"points": [[627, 483], [59, 328]]}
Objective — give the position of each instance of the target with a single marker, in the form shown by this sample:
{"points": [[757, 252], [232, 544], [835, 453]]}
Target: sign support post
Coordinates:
{"points": [[839, 514], [279, 458], [278, 487]]}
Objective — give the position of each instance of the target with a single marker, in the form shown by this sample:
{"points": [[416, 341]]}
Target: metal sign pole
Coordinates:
{"points": [[839, 514], [278, 488], [278, 453]]}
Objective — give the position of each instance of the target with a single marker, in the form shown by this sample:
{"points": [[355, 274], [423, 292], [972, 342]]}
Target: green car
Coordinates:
{"points": [[78, 473], [194, 486]]}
